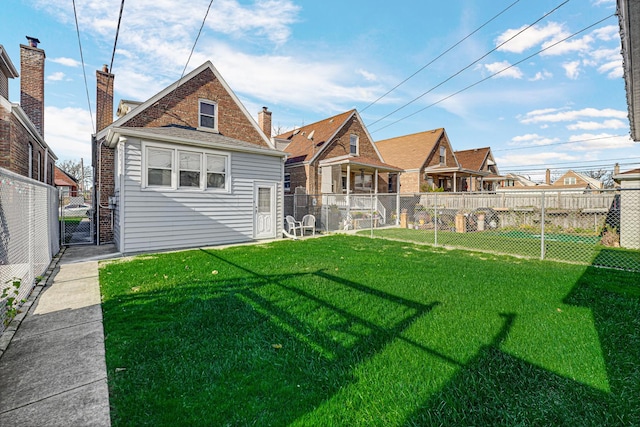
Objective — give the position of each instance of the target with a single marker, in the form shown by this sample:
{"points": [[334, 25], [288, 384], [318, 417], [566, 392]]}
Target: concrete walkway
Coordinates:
{"points": [[53, 371]]}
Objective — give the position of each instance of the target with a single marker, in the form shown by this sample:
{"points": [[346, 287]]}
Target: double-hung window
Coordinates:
{"points": [[353, 144], [190, 165], [287, 181], [216, 171], [443, 155], [159, 167], [570, 180], [208, 115]]}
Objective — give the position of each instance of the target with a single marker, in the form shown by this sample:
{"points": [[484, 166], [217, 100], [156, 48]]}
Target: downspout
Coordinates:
{"points": [[46, 164]]}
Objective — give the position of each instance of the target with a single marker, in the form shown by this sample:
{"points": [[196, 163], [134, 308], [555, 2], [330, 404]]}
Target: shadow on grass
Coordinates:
{"points": [[497, 388], [251, 354]]}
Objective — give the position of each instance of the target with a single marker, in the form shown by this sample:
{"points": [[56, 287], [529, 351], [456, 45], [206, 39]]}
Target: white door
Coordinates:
{"points": [[264, 199]]}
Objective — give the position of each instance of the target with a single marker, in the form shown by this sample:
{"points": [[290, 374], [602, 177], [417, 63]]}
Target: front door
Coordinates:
{"points": [[264, 200]]}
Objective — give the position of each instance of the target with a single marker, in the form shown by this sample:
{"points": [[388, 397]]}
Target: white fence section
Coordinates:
{"points": [[29, 234], [599, 227]]}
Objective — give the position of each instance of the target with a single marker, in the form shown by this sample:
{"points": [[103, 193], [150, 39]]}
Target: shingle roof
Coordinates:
{"points": [[472, 159], [302, 148], [409, 151]]}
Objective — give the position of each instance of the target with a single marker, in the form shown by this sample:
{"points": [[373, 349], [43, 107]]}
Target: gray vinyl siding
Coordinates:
{"points": [[158, 220]]}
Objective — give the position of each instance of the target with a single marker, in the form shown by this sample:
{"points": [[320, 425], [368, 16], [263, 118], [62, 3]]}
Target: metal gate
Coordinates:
{"points": [[76, 221]]}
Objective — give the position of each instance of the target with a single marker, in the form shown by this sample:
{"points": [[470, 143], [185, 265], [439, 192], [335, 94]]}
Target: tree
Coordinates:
{"points": [[74, 168], [603, 175]]}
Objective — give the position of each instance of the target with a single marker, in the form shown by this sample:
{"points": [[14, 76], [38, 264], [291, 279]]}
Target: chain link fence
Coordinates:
{"points": [[600, 227], [29, 237]]}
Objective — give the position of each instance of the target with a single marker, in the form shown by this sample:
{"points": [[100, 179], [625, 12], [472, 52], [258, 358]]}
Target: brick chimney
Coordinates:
{"points": [[547, 179], [104, 98], [32, 82], [264, 121]]}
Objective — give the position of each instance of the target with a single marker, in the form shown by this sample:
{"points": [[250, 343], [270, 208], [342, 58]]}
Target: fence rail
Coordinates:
{"points": [[29, 235], [600, 228]]}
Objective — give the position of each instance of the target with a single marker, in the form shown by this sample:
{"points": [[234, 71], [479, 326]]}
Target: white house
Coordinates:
{"points": [[188, 167]]}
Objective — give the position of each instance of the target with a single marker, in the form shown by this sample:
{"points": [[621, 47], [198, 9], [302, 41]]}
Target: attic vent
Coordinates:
{"points": [[297, 131], [331, 121]]}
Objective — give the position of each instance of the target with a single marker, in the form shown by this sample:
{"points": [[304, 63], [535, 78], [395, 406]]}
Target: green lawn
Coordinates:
{"points": [[558, 247], [351, 331]]}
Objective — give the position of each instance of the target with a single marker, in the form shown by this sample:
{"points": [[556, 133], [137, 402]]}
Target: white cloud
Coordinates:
{"points": [[598, 142], [552, 115], [530, 37], [582, 44], [495, 67], [572, 69], [371, 77], [56, 77], [532, 139], [67, 62], [520, 159], [607, 124], [68, 132], [541, 75], [612, 69], [610, 32]]}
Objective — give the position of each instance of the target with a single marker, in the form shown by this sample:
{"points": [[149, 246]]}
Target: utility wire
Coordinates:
{"points": [[495, 74], [472, 63], [440, 56], [115, 43], [84, 71], [557, 143], [561, 165]]}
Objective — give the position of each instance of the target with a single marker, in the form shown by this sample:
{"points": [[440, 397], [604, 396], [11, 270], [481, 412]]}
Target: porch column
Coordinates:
{"points": [[375, 175], [348, 188], [398, 199], [455, 182]]}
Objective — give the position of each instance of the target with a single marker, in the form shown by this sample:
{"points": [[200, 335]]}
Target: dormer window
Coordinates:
{"points": [[443, 155], [353, 144], [208, 115]]}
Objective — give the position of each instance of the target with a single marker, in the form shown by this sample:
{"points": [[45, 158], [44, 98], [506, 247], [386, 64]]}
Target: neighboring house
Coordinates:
{"points": [[427, 161], [512, 181], [188, 167], [66, 184], [479, 160], [572, 180], [628, 12], [23, 149], [334, 156]]}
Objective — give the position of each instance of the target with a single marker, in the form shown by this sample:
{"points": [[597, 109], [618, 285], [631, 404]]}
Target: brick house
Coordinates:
{"points": [[334, 156], [480, 160], [67, 184], [427, 161], [23, 149], [188, 167], [572, 180]]}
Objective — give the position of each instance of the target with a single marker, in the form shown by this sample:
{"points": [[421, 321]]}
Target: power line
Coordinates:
{"points": [[84, 71], [562, 165], [190, 54], [496, 73], [439, 56], [558, 143], [471, 64], [115, 43]]}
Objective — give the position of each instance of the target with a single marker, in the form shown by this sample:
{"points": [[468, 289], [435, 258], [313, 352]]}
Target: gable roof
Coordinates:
{"points": [[592, 182], [172, 87], [308, 141], [6, 66], [474, 158], [63, 179], [410, 151]]}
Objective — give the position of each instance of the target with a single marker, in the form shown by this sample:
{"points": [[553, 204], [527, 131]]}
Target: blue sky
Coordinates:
{"points": [[564, 108]]}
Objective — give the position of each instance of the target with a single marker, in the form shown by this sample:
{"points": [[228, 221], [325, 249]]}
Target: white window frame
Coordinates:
{"points": [[287, 182], [363, 180], [353, 137], [175, 168], [570, 180], [180, 169], [225, 171], [215, 115], [30, 160], [443, 155]]}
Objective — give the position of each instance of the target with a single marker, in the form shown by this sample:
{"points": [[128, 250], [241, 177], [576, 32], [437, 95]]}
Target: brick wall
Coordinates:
{"points": [[32, 85], [104, 179], [181, 107]]}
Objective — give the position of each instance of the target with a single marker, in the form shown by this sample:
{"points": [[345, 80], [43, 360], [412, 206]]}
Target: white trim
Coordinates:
{"points": [[175, 168], [273, 187], [215, 115]]}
